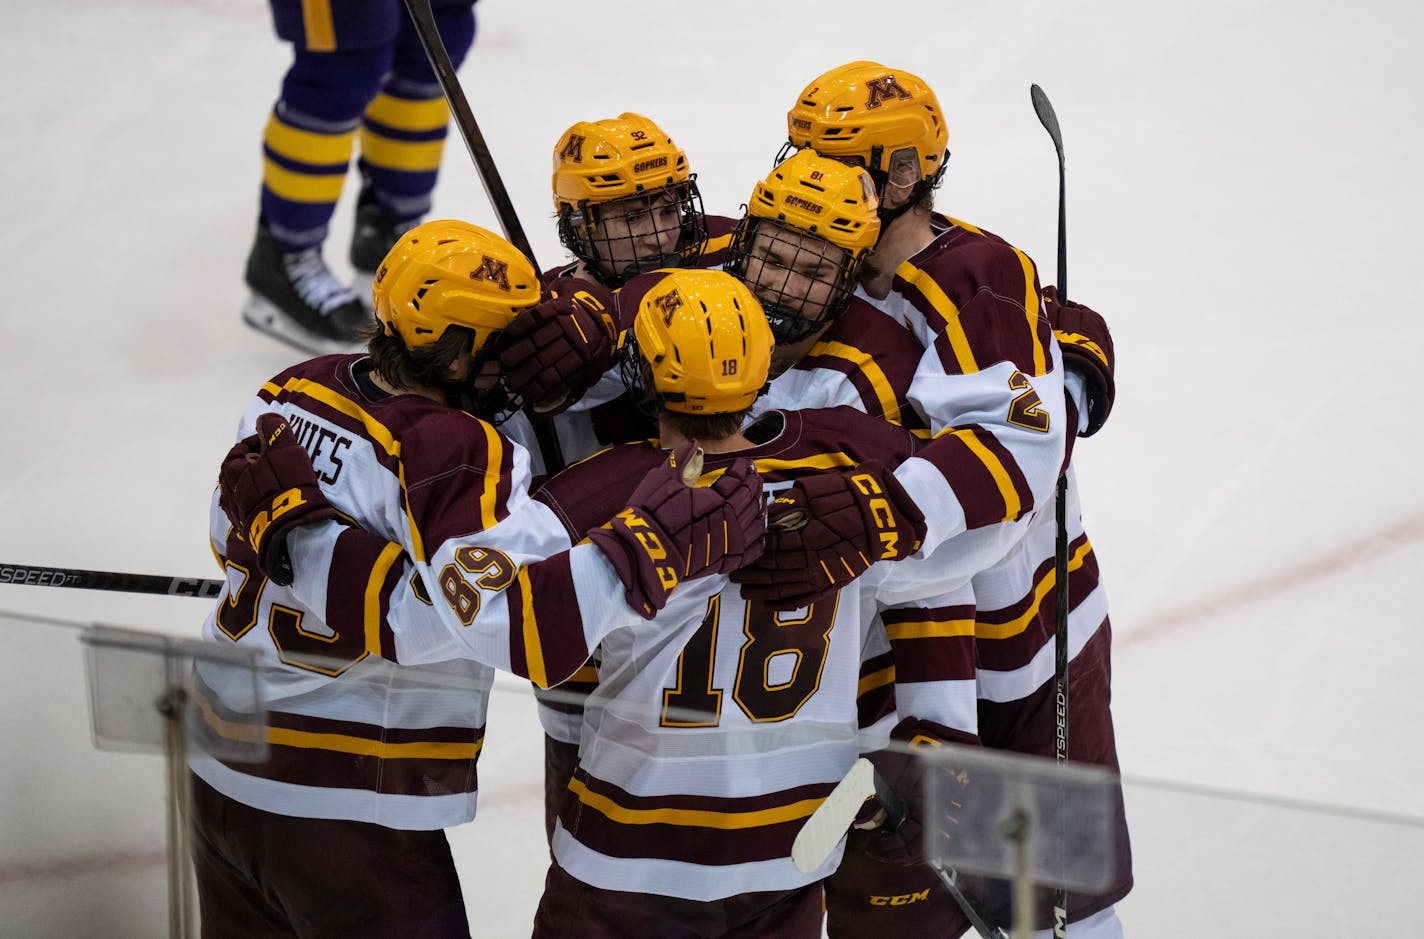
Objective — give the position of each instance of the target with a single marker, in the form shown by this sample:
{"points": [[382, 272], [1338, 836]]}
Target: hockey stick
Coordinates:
{"points": [[424, 19], [109, 580], [1046, 116], [820, 833]]}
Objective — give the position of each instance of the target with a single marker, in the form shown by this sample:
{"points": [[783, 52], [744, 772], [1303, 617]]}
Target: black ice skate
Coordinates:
{"points": [[376, 232], [296, 299]]}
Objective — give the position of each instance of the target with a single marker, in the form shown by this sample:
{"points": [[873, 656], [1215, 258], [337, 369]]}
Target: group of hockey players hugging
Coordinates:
{"points": [[807, 515]]}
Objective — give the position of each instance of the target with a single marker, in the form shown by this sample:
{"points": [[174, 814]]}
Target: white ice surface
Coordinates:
{"points": [[1244, 205]]}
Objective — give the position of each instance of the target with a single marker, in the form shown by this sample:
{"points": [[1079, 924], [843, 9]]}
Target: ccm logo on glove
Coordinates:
{"points": [[648, 540], [880, 511]]}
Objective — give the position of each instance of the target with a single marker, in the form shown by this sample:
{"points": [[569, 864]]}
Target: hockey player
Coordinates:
{"points": [[712, 735], [369, 761], [990, 385], [358, 69], [627, 202]]}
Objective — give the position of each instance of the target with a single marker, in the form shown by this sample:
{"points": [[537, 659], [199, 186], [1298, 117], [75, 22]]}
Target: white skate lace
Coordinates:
{"points": [[314, 283]]}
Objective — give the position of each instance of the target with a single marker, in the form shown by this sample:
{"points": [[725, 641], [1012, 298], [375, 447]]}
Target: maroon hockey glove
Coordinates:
{"points": [[673, 531], [826, 530], [553, 352], [266, 486], [891, 827], [1088, 350]]}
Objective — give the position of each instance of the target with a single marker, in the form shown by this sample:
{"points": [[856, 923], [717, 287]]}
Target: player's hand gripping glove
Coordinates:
{"points": [[826, 530], [673, 530], [891, 826], [267, 486], [555, 351], [1088, 350]]}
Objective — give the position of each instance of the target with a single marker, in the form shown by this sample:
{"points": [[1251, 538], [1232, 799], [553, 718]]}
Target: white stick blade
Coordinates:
{"points": [[829, 823]]}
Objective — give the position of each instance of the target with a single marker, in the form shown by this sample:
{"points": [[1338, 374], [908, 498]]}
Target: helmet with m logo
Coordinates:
{"points": [[699, 344], [626, 201], [884, 119], [450, 273]]}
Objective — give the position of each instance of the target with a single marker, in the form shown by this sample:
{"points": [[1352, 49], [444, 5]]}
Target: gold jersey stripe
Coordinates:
{"points": [[387, 558], [318, 25], [340, 743], [307, 146], [1031, 305], [533, 647], [1031, 299], [494, 458], [693, 818], [412, 156], [409, 114], [1040, 590], [718, 243], [1013, 506], [930, 629], [889, 406], [586, 673], [818, 461], [875, 680], [958, 341]]}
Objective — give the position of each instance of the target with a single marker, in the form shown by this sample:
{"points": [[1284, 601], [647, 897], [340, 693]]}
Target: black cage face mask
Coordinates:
{"points": [[623, 238], [802, 282]]}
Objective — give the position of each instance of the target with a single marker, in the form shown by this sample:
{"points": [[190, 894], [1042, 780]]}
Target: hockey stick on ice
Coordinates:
{"points": [[1046, 116], [109, 580], [820, 833], [424, 19]]}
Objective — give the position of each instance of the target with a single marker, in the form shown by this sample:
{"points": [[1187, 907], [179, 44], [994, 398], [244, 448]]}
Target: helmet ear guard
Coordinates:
{"points": [[700, 344]]}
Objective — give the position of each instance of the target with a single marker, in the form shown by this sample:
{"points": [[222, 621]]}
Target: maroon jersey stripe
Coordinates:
{"points": [[685, 827], [968, 457], [554, 605], [875, 697]]}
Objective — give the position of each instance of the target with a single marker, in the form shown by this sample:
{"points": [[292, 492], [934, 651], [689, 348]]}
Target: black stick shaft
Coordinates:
{"points": [[108, 580], [425, 27], [1049, 119]]}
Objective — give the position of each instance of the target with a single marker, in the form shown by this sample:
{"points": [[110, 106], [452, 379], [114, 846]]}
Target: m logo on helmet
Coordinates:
{"points": [[573, 149], [668, 305], [492, 270], [882, 89]]}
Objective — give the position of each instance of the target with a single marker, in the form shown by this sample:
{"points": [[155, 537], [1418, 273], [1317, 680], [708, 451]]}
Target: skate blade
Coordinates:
{"points": [[266, 317]]}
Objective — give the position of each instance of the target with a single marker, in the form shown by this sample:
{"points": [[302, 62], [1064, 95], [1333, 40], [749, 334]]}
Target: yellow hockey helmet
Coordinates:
{"points": [[626, 200], [809, 226], [595, 161], [450, 273], [700, 339], [884, 119]]}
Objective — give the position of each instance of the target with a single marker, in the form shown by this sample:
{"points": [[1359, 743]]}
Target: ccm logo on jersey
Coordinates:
{"points": [[904, 899], [880, 510], [652, 545], [281, 505]]}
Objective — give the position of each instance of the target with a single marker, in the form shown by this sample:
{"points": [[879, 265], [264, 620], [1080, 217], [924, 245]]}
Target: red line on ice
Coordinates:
{"points": [[119, 862], [1343, 558]]}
